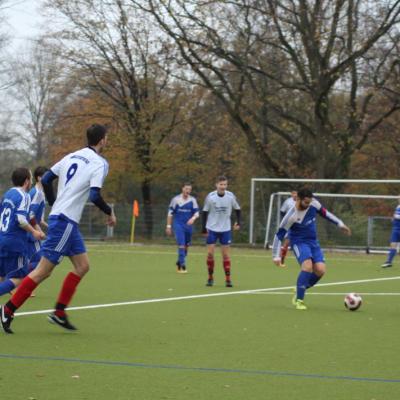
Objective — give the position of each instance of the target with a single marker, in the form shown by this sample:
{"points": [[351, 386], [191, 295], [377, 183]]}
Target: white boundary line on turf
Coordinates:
{"points": [[333, 294], [201, 296]]}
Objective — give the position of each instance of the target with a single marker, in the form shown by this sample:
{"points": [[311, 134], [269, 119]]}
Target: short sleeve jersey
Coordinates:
{"points": [[37, 207], [13, 239], [183, 209], [219, 210], [77, 172]]}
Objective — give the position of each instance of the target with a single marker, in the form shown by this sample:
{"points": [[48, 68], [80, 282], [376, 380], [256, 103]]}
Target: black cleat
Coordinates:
{"points": [[5, 321], [61, 321], [210, 282], [386, 265], [228, 284]]}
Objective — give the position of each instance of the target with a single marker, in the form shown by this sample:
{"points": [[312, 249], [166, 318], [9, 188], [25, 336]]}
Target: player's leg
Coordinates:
{"points": [[319, 266], [24, 291], [284, 250], [211, 241], [180, 241], [226, 260], [394, 242], [304, 257], [76, 251], [188, 241]]}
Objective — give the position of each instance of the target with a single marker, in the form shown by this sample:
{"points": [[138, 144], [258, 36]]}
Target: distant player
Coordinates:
{"points": [[286, 206], [14, 227], [394, 238], [36, 216], [182, 213], [300, 222], [80, 176], [216, 218]]}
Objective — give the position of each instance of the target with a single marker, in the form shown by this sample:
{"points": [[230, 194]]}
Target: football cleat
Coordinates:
{"points": [[5, 321], [386, 265], [210, 282], [61, 321], [228, 284], [300, 305]]}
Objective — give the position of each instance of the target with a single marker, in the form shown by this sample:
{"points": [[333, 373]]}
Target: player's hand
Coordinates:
{"points": [[191, 221], [236, 226], [111, 220], [278, 262], [38, 235], [168, 231], [346, 230]]}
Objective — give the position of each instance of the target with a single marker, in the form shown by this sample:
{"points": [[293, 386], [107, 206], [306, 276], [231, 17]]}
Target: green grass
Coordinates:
{"points": [[237, 346]]}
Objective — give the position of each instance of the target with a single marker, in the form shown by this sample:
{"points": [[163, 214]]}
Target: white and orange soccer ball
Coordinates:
{"points": [[352, 301]]}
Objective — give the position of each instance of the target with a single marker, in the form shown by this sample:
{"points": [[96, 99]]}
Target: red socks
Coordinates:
{"points": [[210, 266], [227, 268], [24, 291], [68, 289]]}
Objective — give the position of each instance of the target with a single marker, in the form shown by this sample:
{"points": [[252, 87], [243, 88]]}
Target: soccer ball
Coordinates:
{"points": [[352, 301]]}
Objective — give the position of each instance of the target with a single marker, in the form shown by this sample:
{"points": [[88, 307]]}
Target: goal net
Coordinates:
{"points": [[366, 206]]}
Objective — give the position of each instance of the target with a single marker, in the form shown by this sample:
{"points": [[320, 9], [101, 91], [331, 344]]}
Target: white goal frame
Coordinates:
{"points": [[304, 180]]}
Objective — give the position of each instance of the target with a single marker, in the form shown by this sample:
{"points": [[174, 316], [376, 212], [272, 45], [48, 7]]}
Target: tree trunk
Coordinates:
{"points": [[147, 208]]}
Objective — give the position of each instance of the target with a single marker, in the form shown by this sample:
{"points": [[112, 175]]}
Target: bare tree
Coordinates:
{"points": [[303, 77], [123, 57], [39, 92]]}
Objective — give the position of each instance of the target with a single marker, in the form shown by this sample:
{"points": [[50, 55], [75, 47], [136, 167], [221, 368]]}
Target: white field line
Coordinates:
{"points": [[201, 296], [267, 255], [332, 294]]}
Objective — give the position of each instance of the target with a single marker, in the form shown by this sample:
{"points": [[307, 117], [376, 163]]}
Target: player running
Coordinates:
{"points": [[300, 223], [394, 238], [182, 213], [80, 176], [216, 219], [14, 227]]}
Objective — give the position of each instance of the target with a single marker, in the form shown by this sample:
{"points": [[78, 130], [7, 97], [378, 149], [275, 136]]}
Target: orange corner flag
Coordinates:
{"points": [[135, 208]]}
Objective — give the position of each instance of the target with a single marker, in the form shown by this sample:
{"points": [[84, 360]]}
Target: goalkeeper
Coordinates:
{"points": [[394, 238]]}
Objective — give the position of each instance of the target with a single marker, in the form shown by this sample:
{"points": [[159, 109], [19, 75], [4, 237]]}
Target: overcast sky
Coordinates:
{"points": [[22, 21]]}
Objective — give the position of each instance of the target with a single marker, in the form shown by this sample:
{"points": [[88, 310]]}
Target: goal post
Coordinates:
{"points": [[360, 202]]}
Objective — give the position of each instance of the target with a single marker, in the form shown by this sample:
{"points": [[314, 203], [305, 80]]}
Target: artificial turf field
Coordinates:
{"points": [[229, 345]]}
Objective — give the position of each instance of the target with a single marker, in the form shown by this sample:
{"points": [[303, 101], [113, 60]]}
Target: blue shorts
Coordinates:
{"points": [[395, 236], [33, 248], [183, 235], [225, 238], [308, 250], [63, 239], [14, 266]]}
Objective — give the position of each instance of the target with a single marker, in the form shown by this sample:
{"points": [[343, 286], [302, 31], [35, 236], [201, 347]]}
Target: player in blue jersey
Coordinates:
{"points": [[36, 216], [14, 227], [216, 223], [394, 238], [80, 177], [182, 213], [300, 223]]}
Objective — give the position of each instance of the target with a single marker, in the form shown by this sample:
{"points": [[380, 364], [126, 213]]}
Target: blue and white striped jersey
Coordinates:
{"points": [[13, 239], [301, 225], [183, 209]]}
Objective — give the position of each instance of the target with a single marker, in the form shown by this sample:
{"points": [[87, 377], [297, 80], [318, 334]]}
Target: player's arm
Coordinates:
{"points": [[285, 225], [204, 215], [170, 217], [195, 211], [324, 213], [22, 218], [47, 182], [96, 198], [236, 207]]}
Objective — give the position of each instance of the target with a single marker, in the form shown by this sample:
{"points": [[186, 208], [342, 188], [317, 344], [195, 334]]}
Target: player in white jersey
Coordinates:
{"points": [[216, 218], [80, 176], [286, 206]]}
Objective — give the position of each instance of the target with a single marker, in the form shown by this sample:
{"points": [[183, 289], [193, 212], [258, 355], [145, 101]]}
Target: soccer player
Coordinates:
{"points": [[182, 213], [14, 226], [300, 223], [36, 216], [286, 206], [216, 222], [80, 176], [394, 238]]}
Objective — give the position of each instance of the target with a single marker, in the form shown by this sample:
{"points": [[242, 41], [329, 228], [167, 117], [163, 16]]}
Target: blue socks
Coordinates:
{"points": [[6, 287], [303, 282], [392, 253], [181, 256], [313, 280]]}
